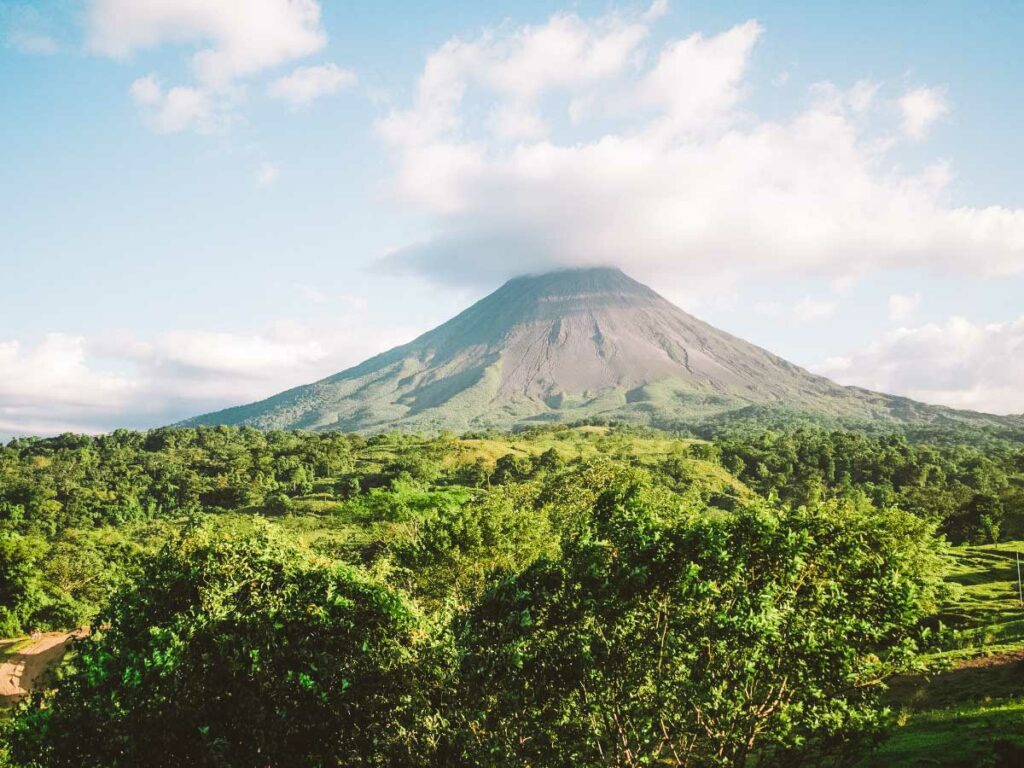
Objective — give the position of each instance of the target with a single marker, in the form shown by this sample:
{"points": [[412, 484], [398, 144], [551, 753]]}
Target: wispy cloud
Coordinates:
{"points": [[27, 30], [921, 108], [307, 84], [267, 175]]}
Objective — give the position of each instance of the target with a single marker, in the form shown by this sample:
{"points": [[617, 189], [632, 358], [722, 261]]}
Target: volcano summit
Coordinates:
{"points": [[562, 347]]}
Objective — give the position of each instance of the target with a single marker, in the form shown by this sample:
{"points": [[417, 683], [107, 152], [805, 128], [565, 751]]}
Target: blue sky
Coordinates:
{"points": [[201, 206]]}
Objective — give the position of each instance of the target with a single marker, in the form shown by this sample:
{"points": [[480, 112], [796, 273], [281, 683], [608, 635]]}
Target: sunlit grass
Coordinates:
{"points": [[958, 736], [969, 709]]}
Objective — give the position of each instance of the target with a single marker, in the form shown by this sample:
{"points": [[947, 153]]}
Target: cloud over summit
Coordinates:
{"points": [[579, 141]]}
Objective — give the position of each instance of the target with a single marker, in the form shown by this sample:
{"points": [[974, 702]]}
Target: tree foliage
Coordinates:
{"points": [[693, 642], [235, 649], [598, 596]]}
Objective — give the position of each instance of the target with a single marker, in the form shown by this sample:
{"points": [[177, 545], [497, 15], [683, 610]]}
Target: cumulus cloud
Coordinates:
{"points": [[957, 363], [73, 383], [55, 368], [179, 108], [512, 70], [230, 39], [235, 38], [920, 108], [306, 84], [44, 386], [578, 141], [695, 83]]}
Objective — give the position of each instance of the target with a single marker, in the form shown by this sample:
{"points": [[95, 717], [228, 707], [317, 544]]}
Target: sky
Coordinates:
{"points": [[202, 204]]}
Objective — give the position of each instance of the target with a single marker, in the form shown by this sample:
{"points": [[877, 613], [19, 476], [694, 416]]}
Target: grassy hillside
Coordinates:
{"points": [[967, 707]]}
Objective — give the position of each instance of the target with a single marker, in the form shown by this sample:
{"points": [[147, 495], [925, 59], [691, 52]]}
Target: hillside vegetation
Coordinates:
{"points": [[599, 595]]}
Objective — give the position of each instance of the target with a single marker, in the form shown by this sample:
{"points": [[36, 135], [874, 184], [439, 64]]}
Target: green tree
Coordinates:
{"points": [[278, 503], [237, 650], [978, 522], [694, 642], [21, 592]]}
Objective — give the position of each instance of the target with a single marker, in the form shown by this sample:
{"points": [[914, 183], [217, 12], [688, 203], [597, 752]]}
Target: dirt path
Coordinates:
{"points": [[20, 673], [995, 660]]}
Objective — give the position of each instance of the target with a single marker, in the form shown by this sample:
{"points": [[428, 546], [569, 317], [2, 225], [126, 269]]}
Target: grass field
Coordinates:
{"points": [[967, 708]]}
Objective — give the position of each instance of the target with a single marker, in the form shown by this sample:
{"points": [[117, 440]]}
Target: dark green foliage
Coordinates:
{"points": [[278, 503], [510, 468], [963, 488], [499, 600], [235, 649], [20, 593], [457, 546], [705, 641], [979, 521]]}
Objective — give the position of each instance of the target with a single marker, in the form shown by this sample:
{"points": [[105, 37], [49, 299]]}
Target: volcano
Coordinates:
{"points": [[567, 346]]}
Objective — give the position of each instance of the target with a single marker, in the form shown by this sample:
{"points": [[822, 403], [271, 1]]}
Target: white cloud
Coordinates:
{"points": [[571, 143], [656, 10], [55, 368], [902, 308], [695, 82], [231, 354], [956, 363], [516, 122], [306, 84], [235, 39], [72, 383], [267, 175], [312, 294], [843, 284], [862, 95], [511, 71], [920, 108], [146, 90], [180, 108]]}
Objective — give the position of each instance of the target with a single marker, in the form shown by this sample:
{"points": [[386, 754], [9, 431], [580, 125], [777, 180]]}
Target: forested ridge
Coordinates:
{"points": [[595, 595]]}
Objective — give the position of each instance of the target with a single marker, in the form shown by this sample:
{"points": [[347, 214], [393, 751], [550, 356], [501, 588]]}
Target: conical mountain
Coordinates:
{"points": [[562, 347]]}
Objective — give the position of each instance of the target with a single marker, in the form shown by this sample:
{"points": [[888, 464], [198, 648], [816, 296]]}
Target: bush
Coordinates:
{"points": [[237, 650], [713, 641]]}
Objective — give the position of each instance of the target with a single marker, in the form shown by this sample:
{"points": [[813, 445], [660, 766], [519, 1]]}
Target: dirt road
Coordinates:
{"points": [[23, 670]]}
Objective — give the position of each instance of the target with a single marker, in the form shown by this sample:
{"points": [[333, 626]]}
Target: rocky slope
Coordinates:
{"points": [[565, 346]]}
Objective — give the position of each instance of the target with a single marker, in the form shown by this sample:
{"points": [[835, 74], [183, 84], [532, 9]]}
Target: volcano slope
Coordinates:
{"points": [[568, 346]]}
